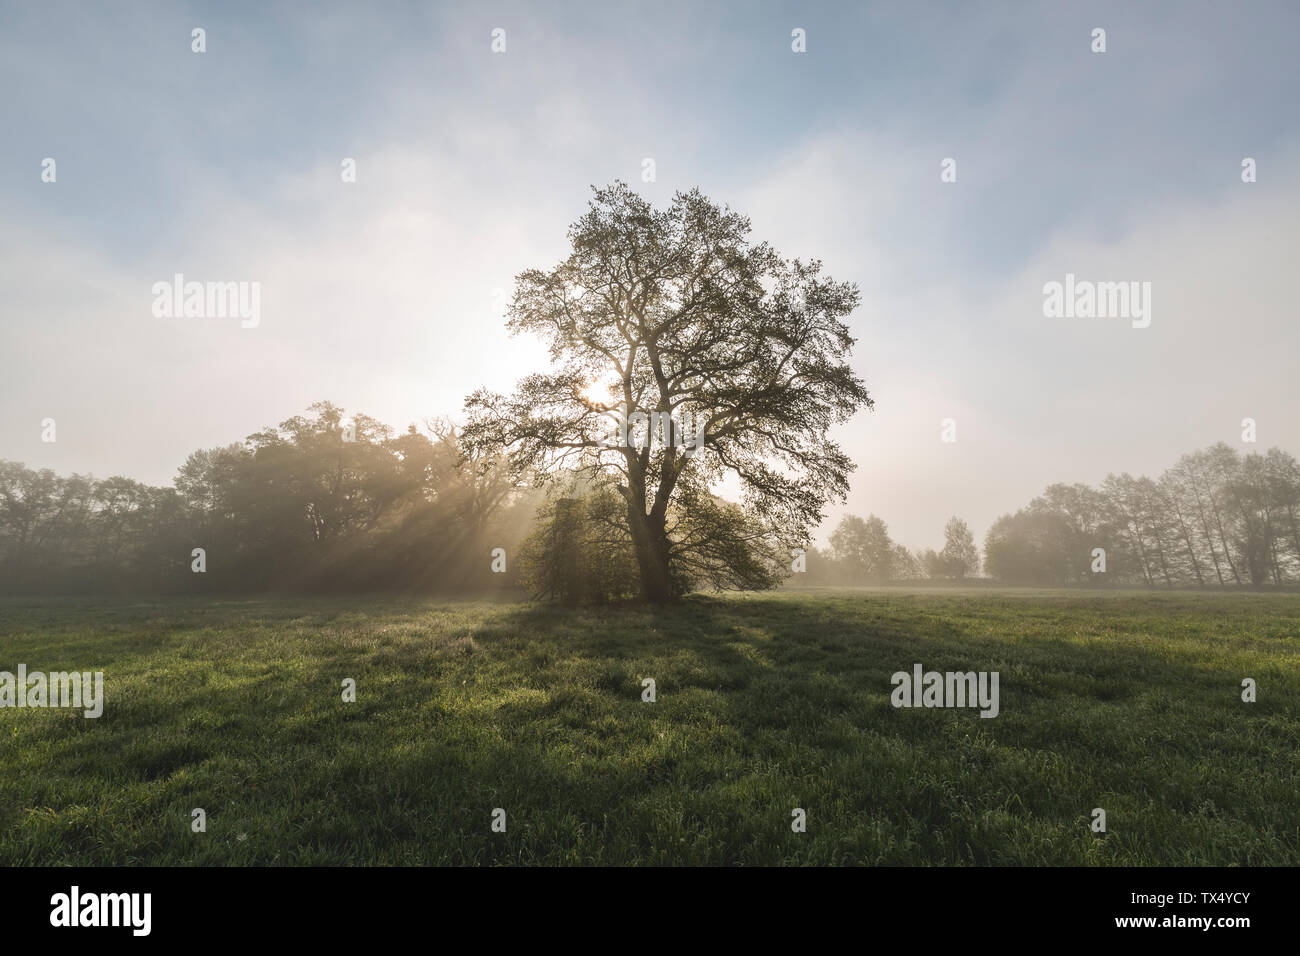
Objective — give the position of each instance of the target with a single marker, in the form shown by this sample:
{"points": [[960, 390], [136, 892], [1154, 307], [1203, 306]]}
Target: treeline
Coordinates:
{"points": [[319, 502], [862, 552], [326, 503], [1217, 517]]}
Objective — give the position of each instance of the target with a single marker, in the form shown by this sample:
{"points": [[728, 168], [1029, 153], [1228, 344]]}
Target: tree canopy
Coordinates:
{"points": [[734, 360]]}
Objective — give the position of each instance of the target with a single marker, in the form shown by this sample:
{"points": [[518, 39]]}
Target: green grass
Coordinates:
{"points": [[1129, 702]]}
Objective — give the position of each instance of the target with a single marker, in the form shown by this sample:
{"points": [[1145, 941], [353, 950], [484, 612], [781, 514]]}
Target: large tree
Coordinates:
{"points": [[674, 316]]}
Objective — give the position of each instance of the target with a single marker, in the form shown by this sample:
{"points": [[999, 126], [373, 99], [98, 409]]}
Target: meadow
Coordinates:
{"points": [[1126, 701]]}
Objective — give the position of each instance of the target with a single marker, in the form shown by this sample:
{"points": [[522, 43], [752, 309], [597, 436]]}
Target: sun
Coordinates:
{"points": [[596, 392]]}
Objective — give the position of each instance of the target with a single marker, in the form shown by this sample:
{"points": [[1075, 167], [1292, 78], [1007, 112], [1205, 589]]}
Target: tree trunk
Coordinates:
{"points": [[1209, 538], [650, 541], [1223, 540]]}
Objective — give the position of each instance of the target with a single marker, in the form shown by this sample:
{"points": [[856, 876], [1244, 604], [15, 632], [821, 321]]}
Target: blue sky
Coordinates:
{"points": [[385, 295]]}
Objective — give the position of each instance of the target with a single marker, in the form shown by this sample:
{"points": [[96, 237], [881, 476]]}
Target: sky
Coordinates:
{"points": [[386, 295]]}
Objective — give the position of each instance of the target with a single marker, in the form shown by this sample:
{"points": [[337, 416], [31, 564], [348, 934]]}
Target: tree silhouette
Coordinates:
{"points": [[731, 357]]}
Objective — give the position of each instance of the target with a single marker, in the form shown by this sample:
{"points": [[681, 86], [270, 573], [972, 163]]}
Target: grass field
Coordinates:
{"points": [[1128, 702]]}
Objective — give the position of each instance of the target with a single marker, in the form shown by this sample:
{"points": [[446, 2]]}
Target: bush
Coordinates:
{"points": [[580, 552]]}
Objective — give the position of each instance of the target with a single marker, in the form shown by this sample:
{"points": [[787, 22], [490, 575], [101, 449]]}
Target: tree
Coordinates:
{"points": [[864, 547], [672, 318], [960, 556], [1284, 479], [1251, 503], [1034, 546], [933, 564], [579, 553], [905, 565]]}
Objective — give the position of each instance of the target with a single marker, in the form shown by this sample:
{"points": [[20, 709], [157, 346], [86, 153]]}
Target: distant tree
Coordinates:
{"points": [[1033, 546], [1284, 481], [864, 548], [905, 565], [960, 555], [1187, 482], [1250, 496], [934, 564], [821, 570], [1218, 467]]}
